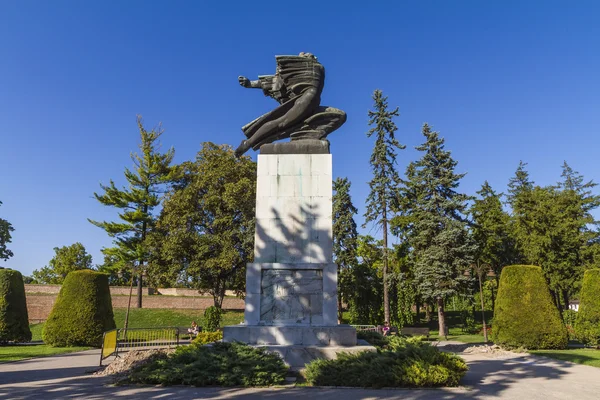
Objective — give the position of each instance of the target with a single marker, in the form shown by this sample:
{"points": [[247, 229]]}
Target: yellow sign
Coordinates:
{"points": [[110, 343]]}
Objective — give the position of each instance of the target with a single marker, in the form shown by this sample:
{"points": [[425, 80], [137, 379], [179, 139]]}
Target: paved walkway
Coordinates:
{"points": [[524, 377]]}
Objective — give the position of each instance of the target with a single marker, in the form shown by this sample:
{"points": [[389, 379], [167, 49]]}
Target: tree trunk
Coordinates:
{"points": [[565, 299], [219, 295], [441, 317], [427, 312], [418, 310], [557, 302], [386, 297], [141, 277], [339, 296], [485, 337], [139, 290]]}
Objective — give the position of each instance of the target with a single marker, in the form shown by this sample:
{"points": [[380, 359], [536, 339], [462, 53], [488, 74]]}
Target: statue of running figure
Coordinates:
{"points": [[297, 86]]}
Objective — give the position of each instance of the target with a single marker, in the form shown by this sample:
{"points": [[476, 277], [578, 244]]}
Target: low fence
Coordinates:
{"points": [[138, 339], [368, 328]]}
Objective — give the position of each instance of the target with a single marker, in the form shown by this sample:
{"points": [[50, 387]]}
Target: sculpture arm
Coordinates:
{"points": [[247, 83]]}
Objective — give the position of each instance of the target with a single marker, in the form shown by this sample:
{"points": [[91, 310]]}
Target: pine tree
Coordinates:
{"points": [[5, 229], [491, 232], [344, 238], [385, 180], [434, 218], [146, 184]]}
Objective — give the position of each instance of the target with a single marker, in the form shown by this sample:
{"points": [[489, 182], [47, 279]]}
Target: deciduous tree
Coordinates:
{"points": [[208, 223], [66, 259], [5, 237]]}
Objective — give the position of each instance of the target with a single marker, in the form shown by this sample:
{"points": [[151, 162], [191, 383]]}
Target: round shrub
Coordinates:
{"points": [[207, 337], [212, 319], [587, 322], [82, 312], [14, 321], [525, 315]]}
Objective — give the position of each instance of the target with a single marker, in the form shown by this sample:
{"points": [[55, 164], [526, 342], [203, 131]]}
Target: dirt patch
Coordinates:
{"points": [[492, 351], [121, 366]]}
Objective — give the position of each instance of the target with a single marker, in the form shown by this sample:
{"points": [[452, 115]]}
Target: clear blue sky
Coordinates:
{"points": [[500, 80]]}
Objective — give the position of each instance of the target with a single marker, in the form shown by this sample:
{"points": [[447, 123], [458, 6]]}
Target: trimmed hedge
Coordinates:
{"points": [[14, 321], [525, 315], [409, 363], [82, 312], [587, 322]]}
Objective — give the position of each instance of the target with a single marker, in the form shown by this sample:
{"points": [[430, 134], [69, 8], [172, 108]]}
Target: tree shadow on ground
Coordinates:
{"points": [[487, 378]]}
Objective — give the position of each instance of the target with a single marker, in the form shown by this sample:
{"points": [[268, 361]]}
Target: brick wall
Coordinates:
{"points": [[124, 290], [40, 305]]}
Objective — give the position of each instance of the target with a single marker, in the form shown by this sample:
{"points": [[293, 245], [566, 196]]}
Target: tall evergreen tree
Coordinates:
{"points": [[344, 238], [434, 219], [385, 180], [491, 232], [145, 186], [518, 183], [5, 237], [520, 200]]}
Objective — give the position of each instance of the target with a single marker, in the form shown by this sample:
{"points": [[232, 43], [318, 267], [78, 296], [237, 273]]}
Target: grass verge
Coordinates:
{"points": [[458, 335], [22, 351], [589, 357]]}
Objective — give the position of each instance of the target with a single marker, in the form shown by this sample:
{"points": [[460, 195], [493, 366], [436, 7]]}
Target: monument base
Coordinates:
{"points": [[341, 335], [299, 345], [296, 357]]}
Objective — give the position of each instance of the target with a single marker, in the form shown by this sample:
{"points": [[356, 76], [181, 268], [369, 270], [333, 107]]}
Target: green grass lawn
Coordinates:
{"points": [[580, 356], [458, 335], [20, 352], [150, 318]]}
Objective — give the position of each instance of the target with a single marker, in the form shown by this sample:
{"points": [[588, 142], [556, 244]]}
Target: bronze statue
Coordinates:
{"points": [[297, 86]]}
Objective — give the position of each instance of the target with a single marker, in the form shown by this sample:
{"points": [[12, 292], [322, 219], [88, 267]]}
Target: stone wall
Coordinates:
{"points": [[124, 290], [40, 304]]}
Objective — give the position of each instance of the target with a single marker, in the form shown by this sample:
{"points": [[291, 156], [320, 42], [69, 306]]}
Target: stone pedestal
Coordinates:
{"points": [[291, 288]]}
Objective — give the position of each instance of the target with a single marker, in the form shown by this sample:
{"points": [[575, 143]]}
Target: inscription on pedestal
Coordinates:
{"points": [[290, 296]]}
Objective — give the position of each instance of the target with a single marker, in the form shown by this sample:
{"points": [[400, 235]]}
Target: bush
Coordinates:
{"points": [[525, 315], [207, 337], [409, 365], [222, 364], [82, 312], [383, 343], [14, 321], [212, 319], [374, 339], [587, 324]]}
